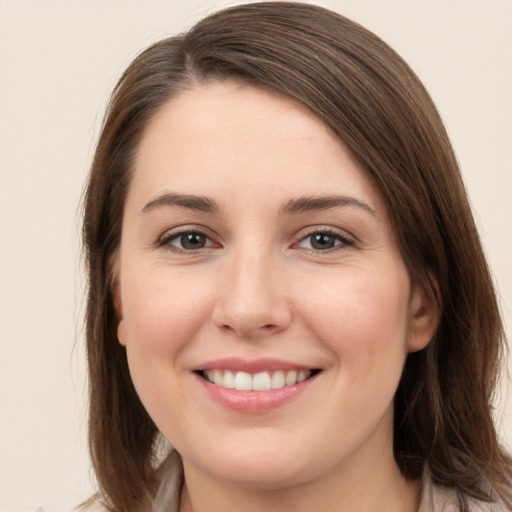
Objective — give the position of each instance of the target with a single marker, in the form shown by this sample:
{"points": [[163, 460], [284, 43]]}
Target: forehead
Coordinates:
{"points": [[229, 137], [232, 110], [248, 101]]}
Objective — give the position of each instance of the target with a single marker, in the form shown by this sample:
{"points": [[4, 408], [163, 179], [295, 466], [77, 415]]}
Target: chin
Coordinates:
{"points": [[268, 468], [267, 476]]}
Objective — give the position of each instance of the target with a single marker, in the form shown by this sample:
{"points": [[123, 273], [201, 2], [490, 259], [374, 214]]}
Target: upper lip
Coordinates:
{"points": [[236, 364]]}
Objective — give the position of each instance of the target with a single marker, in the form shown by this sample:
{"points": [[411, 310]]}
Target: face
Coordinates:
{"points": [[263, 303]]}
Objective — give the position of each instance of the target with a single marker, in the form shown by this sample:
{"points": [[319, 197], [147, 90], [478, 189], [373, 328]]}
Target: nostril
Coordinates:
{"points": [[249, 331], [250, 318]]}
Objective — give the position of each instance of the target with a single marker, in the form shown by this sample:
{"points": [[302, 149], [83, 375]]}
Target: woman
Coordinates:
{"points": [[285, 281]]}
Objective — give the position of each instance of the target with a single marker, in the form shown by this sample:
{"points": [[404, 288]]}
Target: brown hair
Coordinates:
{"points": [[373, 101]]}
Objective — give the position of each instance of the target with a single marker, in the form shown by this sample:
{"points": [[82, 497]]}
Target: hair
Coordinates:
{"points": [[373, 101]]}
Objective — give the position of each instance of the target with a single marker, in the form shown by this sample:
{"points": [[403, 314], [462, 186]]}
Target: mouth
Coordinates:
{"points": [[261, 381], [256, 386]]}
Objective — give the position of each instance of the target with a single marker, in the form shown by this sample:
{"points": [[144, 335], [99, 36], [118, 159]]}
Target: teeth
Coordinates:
{"points": [[262, 381], [217, 377], [229, 380], [278, 380], [291, 378], [243, 381], [302, 376]]}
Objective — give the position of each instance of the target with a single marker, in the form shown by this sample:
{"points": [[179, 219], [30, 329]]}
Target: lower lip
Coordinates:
{"points": [[255, 402]]}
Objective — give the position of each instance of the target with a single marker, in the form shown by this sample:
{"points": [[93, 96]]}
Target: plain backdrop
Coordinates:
{"points": [[59, 59]]}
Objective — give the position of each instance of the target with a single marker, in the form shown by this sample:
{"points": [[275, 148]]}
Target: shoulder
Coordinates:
{"points": [[95, 504], [436, 498], [170, 475]]}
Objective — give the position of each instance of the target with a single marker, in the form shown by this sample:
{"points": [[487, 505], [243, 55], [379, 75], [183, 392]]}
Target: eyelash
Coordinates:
{"points": [[344, 240], [166, 239]]}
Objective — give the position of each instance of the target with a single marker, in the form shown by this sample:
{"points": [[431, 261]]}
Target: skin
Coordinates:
{"points": [[260, 288]]}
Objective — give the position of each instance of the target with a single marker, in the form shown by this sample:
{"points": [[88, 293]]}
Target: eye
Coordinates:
{"points": [[325, 240], [186, 241]]}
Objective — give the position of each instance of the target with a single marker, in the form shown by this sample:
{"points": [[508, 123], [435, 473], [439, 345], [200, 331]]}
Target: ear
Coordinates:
{"points": [[425, 313], [121, 333], [118, 306], [113, 273]]}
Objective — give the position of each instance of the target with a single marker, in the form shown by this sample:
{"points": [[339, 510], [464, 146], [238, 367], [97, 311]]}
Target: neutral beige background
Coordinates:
{"points": [[59, 59]]}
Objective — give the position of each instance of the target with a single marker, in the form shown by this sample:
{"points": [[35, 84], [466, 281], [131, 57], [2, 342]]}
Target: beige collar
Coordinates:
{"points": [[434, 498]]}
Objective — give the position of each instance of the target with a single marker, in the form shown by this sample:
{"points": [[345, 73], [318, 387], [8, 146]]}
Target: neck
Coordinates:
{"points": [[404, 497], [362, 483]]}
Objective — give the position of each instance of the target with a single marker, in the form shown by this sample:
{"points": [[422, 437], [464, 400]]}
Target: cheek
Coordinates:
{"points": [[362, 317], [162, 311]]}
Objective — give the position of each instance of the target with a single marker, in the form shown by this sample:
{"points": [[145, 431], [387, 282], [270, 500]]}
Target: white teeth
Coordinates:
{"points": [[291, 378], [243, 381], [262, 381], [229, 380], [278, 380], [302, 376], [217, 377]]}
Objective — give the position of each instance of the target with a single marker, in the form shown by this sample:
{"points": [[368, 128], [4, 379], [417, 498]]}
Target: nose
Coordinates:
{"points": [[252, 302]]}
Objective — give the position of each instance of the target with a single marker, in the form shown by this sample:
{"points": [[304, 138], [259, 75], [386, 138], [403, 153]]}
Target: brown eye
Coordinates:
{"points": [[191, 241], [186, 241], [324, 241]]}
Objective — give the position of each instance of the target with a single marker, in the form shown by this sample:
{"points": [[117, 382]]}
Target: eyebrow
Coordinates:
{"points": [[306, 204], [294, 206], [199, 203]]}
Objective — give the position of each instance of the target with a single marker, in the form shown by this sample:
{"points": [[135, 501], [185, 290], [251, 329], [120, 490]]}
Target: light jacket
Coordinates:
{"points": [[434, 498]]}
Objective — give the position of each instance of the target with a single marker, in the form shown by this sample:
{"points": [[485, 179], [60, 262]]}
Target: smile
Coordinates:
{"points": [[254, 386], [261, 381]]}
